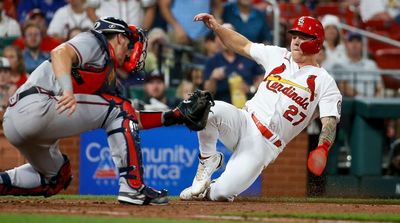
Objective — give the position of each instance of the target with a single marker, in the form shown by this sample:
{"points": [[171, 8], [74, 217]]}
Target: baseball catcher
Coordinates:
{"points": [[76, 91]]}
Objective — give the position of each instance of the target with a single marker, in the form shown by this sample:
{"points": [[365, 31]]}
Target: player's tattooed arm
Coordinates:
{"points": [[328, 132]]}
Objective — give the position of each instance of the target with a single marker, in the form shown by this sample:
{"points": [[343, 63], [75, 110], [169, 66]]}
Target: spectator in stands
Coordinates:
{"points": [[140, 12], [155, 94], [248, 21], [159, 21], [14, 56], [181, 27], [360, 76], [226, 65], [334, 48], [32, 54], [48, 7], [73, 32], [36, 16], [184, 89], [211, 46], [321, 59], [156, 38], [7, 89], [196, 76], [9, 27], [380, 10], [10, 7], [70, 16]]}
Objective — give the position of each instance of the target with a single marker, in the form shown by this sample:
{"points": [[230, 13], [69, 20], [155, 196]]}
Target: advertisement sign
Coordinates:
{"points": [[170, 158]]}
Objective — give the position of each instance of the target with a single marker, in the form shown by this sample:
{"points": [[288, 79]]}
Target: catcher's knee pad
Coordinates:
{"points": [[61, 180], [47, 189]]}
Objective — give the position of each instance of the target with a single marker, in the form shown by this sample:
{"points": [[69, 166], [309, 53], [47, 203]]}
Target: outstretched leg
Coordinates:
{"points": [[251, 153], [223, 123]]}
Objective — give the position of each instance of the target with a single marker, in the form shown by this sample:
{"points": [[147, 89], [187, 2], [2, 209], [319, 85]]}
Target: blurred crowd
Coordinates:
{"points": [[183, 55]]}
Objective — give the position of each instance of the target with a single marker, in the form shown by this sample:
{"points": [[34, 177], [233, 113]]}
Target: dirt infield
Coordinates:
{"points": [[181, 209]]}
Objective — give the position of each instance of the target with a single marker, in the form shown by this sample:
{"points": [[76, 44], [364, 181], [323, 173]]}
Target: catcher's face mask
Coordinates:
{"points": [[138, 47]]}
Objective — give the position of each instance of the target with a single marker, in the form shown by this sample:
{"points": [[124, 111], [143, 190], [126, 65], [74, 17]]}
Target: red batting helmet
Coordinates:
{"points": [[311, 27]]}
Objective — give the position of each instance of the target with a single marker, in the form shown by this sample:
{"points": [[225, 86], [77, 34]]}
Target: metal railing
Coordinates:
{"points": [[277, 14], [366, 34], [368, 83]]}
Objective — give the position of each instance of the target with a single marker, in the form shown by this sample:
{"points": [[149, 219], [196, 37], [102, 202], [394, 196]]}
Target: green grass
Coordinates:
{"points": [[324, 216], [392, 217], [328, 200], [25, 218]]}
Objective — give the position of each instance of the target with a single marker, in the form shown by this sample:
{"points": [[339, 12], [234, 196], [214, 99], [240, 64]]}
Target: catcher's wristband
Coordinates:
{"points": [[65, 82]]}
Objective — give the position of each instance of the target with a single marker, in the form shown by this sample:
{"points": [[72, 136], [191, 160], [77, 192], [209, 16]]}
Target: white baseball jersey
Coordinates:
{"points": [[288, 97], [285, 103]]}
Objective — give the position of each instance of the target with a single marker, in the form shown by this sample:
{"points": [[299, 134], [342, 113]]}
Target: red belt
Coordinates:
{"points": [[265, 131]]}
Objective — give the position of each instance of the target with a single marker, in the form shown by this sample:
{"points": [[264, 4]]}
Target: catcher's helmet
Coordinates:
{"points": [[112, 25], [137, 37], [311, 27], [115, 25]]}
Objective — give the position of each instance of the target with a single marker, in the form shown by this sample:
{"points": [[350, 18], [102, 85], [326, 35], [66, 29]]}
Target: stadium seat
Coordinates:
{"points": [[389, 59], [375, 45], [332, 8], [381, 25], [290, 11], [390, 29], [137, 92], [343, 12]]}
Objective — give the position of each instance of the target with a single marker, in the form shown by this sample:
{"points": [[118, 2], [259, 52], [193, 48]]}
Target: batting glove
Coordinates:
{"points": [[317, 159]]}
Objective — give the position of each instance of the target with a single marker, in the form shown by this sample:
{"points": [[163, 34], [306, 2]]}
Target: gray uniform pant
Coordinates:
{"points": [[34, 127]]}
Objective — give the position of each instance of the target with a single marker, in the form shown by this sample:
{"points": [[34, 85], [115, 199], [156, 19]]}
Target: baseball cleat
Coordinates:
{"points": [[186, 195], [145, 195], [205, 170]]}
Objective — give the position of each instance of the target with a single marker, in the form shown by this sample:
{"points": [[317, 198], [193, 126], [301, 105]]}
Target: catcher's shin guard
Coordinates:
{"points": [[47, 189], [133, 172]]}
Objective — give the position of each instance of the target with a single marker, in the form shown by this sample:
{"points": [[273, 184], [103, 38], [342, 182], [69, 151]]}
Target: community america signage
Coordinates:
{"points": [[169, 158]]}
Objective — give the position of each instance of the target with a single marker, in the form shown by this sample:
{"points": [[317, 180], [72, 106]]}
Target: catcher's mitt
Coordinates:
{"points": [[195, 109]]}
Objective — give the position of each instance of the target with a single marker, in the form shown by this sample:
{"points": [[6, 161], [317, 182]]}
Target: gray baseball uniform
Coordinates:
{"points": [[33, 125]]}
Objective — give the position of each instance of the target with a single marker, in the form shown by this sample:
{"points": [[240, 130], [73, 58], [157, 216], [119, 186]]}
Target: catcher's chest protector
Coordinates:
{"points": [[96, 81]]}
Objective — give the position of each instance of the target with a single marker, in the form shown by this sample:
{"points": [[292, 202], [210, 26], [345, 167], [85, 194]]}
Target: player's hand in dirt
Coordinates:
{"points": [[67, 102]]}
